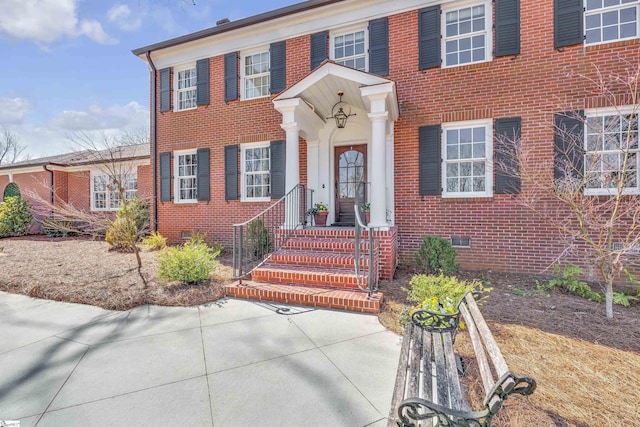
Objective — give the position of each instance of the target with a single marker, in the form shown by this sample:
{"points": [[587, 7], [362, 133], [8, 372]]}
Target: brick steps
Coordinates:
{"points": [[305, 275], [324, 244], [316, 259], [322, 297]]}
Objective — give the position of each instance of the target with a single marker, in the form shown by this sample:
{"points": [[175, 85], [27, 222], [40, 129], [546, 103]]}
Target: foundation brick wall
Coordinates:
{"points": [[533, 85]]}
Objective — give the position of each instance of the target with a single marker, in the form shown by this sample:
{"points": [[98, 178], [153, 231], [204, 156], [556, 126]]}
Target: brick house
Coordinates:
{"points": [[432, 86], [81, 178]]}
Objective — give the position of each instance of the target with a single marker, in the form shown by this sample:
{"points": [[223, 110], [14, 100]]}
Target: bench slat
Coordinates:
{"points": [[457, 401], [438, 352], [414, 362], [483, 363], [401, 376], [490, 342], [427, 383]]}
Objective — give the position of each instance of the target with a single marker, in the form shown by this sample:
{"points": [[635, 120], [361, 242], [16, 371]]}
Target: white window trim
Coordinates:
{"points": [[243, 73], [352, 29], [596, 112], [586, 13], [176, 70], [97, 173], [176, 178], [488, 124], [243, 171], [488, 28]]}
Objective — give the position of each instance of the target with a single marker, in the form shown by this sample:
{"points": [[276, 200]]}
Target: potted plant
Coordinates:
{"points": [[319, 212], [367, 213]]}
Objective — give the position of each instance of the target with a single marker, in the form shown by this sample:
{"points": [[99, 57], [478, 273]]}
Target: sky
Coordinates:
{"points": [[66, 65]]}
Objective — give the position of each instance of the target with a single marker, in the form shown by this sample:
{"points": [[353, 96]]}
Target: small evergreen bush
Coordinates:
{"points": [[154, 242], [436, 255], [15, 217], [11, 190], [190, 263], [259, 239], [131, 222]]}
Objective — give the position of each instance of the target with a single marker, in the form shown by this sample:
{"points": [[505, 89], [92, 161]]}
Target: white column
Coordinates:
{"points": [[377, 192], [292, 174]]}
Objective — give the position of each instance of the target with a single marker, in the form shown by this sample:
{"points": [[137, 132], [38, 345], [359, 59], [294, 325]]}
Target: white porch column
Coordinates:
{"points": [[292, 177], [377, 192]]}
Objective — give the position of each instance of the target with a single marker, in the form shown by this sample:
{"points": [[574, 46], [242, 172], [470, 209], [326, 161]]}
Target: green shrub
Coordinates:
{"points": [[154, 242], [623, 299], [15, 217], [11, 190], [259, 239], [436, 255], [190, 263], [139, 211], [568, 278], [131, 222]]}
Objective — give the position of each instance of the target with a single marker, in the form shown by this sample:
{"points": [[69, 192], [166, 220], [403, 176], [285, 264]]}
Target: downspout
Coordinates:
{"points": [[51, 188], [154, 148]]}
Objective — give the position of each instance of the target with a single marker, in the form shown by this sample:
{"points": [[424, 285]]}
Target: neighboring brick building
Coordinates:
{"points": [[81, 179], [436, 84]]}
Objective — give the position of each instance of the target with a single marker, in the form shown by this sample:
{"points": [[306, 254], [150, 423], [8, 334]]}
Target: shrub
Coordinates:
{"points": [[154, 242], [259, 239], [15, 217], [190, 263], [436, 255], [131, 222], [11, 190], [568, 278]]}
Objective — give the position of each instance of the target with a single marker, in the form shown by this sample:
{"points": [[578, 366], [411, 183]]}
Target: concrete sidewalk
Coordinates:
{"points": [[231, 362]]}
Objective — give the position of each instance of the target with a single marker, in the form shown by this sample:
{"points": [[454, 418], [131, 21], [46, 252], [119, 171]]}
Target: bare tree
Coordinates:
{"points": [[589, 191], [113, 188], [10, 147]]}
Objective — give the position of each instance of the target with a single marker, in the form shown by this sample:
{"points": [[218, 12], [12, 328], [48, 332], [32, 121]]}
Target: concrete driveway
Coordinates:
{"points": [[231, 362]]}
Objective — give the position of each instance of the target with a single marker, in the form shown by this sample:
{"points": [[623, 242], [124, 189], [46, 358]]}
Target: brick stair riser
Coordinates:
{"points": [[328, 234], [339, 246], [335, 280], [317, 260]]}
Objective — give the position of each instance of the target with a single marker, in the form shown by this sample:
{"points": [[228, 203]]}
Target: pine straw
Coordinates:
{"points": [[586, 367]]}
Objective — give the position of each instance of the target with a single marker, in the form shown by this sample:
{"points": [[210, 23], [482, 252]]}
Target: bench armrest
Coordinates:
{"points": [[413, 410], [435, 320]]}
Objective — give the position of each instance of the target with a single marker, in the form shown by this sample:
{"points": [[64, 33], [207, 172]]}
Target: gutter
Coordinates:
{"points": [[51, 187], [154, 142]]}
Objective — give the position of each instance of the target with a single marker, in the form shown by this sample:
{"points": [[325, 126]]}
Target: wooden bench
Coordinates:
{"points": [[428, 391]]}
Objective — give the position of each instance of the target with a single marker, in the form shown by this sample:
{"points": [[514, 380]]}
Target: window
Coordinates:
{"points": [[186, 89], [466, 37], [255, 75], [350, 49], [105, 192], [186, 176], [611, 152], [256, 172], [467, 153], [607, 20]]}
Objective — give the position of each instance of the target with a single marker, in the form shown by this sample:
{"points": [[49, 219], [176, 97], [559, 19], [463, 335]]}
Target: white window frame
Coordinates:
{"points": [[608, 112], [350, 30], [109, 195], [488, 31], [177, 177], [243, 170], [601, 11], [243, 72], [177, 92], [488, 158]]}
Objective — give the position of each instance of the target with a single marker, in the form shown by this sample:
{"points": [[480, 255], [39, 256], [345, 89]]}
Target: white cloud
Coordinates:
{"points": [[13, 110], [45, 21], [120, 14], [96, 117]]}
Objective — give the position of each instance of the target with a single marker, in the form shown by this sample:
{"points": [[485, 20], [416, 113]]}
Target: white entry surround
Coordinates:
{"points": [[305, 107]]}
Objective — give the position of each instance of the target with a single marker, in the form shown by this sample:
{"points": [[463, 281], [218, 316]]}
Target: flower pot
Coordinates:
{"points": [[367, 218], [321, 218]]}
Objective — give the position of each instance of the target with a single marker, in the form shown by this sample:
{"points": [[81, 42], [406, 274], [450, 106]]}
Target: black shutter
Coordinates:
{"points": [[230, 76], [379, 46], [278, 53], [568, 25], [204, 165], [231, 172], [429, 37], [319, 52], [165, 89], [278, 166], [569, 145], [202, 82], [507, 27], [430, 161], [508, 132], [165, 177]]}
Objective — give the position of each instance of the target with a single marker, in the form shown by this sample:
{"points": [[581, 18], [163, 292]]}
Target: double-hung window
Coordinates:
{"points": [[186, 176], [350, 49], [467, 35], [611, 142], [609, 20], [186, 89], [256, 172], [105, 191], [467, 159], [255, 75]]}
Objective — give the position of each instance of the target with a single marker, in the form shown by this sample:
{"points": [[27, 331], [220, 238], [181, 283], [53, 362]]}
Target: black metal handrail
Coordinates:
{"points": [[256, 239], [370, 235]]}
